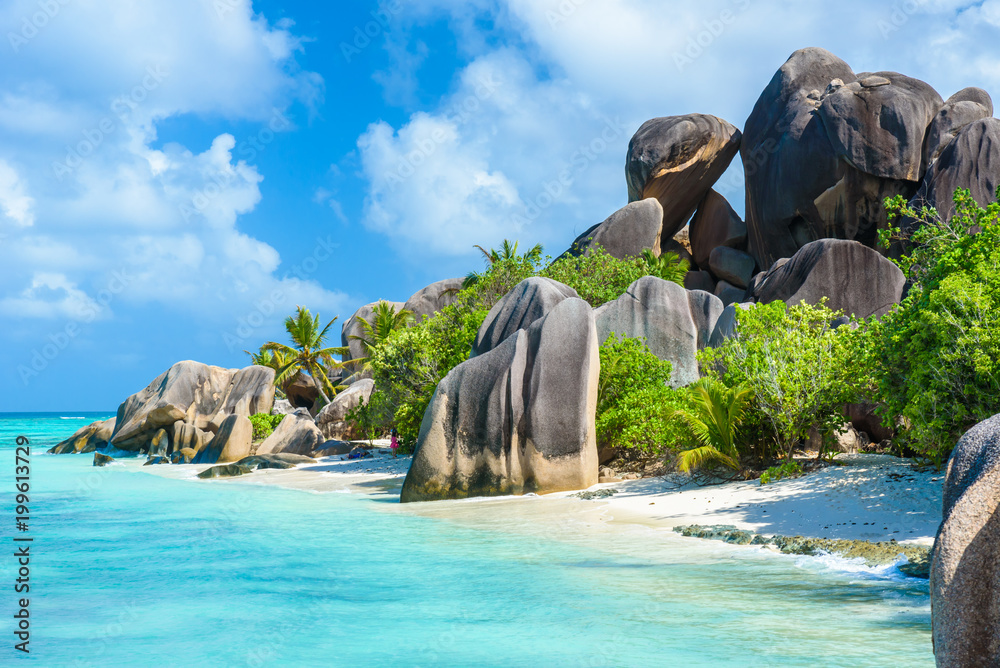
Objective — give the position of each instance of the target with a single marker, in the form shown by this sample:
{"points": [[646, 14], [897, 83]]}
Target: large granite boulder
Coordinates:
{"points": [[824, 147], [231, 443], [332, 420], [188, 436], [972, 161], [433, 298], [959, 111], [732, 265], [353, 328], [626, 232], [516, 419], [715, 224], [94, 436], [530, 300], [677, 159], [196, 394], [853, 277], [965, 566], [675, 322], [294, 434], [301, 392]]}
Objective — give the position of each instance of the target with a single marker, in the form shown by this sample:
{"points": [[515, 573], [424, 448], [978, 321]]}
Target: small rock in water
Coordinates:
{"points": [[596, 494], [156, 459], [102, 459]]}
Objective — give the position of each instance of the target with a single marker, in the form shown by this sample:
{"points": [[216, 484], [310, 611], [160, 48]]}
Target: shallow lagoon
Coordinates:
{"points": [[133, 569]]}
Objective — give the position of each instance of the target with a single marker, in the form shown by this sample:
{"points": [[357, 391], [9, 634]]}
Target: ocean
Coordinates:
{"points": [[129, 568]]}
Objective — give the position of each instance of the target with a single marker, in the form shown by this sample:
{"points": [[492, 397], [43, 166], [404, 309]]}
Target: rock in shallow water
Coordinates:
{"points": [[100, 459]]}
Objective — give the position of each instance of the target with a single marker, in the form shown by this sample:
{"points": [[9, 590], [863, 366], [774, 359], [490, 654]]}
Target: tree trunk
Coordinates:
{"points": [[318, 384]]}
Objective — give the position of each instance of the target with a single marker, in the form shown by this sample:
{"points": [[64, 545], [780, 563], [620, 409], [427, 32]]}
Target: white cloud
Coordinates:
{"points": [[52, 295], [15, 203]]}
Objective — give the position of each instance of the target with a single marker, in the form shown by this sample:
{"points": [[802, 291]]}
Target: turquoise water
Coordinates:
{"points": [[132, 569]]}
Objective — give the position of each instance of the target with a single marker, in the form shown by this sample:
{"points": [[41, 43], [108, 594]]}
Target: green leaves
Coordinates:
{"points": [[714, 416], [668, 266]]}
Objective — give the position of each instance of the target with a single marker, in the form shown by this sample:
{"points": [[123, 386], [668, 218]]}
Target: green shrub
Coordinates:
{"points": [[715, 416], [935, 359], [776, 473], [635, 406], [264, 424], [801, 370], [597, 276]]}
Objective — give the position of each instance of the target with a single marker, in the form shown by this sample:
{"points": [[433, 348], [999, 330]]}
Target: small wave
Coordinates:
{"points": [[856, 566], [64, 417]]}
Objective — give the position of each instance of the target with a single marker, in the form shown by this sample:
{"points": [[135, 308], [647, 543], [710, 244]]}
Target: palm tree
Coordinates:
{"points": [[384, 321], [668, 266], [508, 251], [277, 360], [308, 353], [714, 418]]}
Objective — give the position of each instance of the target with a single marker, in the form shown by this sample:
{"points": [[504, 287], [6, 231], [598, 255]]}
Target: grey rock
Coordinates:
{"points": [[331, 448], [731, 265], [231, 444], [193, 393], [332, 420], [433, 298], [626, 232], [282, 407], [274, 461], [94, 436], [225, 471], [677, 159], [729, 294], [725, 326], [188, 436], [699, 280], [965, 572], [353, 328], [971, 161], [530, 300], [295, 435], [959, 111], [101, 459], [855, 279], [715, 224], [517, 419], [674, 322]]}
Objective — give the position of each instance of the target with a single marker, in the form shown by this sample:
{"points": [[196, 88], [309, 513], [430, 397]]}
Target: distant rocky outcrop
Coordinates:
{"points": [[853, 277], [428, 301], [352, 327], [965, 570], [94, 436], [677, 159], [627, 232], [959, 111], [518, 417], [332, 420], [194, 394], [530, 300], [675, 322]]}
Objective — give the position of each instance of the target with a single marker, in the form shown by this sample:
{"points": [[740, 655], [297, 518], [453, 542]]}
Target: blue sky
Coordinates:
{"points": [[176, 176]]}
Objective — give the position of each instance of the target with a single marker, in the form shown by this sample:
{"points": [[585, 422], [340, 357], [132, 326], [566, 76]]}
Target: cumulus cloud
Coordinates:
{"points": [[16, 205]]}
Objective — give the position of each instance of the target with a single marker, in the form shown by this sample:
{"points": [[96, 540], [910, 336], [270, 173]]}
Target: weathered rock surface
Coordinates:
{"points": [[725, 326], [965, 570], [433, 298], [855, 279], [675, 322], [732, 265], [183, 456], [186, 436], [626, 232], [728, 294], [301, 392], [352, 328], [225, 471], [155, 460], [699, 280], [530, 300], [677, 159], [971, 161], [282, 407], [332, 420], [516, 419], [294, 434], [94, 436], [195, 394], [959, 111], [160, 445], [715, 224], [824, 147], [101, 459], [231, 444]]}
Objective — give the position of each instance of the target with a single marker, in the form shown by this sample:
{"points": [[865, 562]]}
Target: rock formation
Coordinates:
{"points": [[965, 569], [517, 418], [351, 329], [433, 298], [94, 436], [854, 278], [715, 224], [230, 444], [295, 435], [332, 420], [626, 232], [530, 300], [677, 159], [675, 322]]}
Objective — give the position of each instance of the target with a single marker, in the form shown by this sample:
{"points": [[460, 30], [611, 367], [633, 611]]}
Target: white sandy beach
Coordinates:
{"points": [[869, 497]]}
